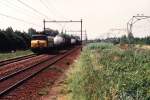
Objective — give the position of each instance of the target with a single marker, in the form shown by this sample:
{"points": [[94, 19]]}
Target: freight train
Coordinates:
{"points": [[43, 42]]}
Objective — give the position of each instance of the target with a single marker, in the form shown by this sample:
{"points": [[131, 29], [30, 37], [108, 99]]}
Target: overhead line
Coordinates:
{"points": [[10, 6], [45, 5], [21, 20], [54, 8], [32, 8], [50, 11], [14, 6]]}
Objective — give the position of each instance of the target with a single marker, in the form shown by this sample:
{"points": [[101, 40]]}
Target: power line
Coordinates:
{"points": [[49, 10], [15, 7], [54, 14], [21, 20], [32, 8], [18, 8], [45, 5], [54, 8]]}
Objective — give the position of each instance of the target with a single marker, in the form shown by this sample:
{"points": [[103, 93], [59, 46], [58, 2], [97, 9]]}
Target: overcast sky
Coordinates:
{"points": [[99, 16]]}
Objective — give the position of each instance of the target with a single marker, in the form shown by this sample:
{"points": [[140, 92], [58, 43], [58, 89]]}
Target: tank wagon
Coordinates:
{"points": [[42, 43]]}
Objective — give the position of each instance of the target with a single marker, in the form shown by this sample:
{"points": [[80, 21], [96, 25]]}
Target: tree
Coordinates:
{"points": [[22, 44], [4, 42], [11, 37], [131, 38], [12, 40], [147, 40], [51, 32], [31, 31], [123, 39]]}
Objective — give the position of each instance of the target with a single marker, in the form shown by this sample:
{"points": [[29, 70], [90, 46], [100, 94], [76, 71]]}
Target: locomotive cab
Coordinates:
{"points": [[39, 42]]}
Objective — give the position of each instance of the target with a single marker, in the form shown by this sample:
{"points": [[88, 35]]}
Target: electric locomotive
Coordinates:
{"points": [[39, 41]]}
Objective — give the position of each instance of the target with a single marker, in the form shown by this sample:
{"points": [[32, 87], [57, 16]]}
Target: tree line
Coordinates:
{"points": [[130, 39], [17, 40], [14, 40]]}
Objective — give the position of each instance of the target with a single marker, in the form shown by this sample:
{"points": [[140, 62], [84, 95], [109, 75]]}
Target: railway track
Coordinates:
{"points": [[15, 66], [5, 62], [11, 81]]}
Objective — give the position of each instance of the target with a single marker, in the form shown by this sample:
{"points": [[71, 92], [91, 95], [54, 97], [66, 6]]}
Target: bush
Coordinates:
{"points": [[93, 46]]}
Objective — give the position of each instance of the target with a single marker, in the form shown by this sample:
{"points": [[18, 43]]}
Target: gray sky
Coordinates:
{"points": [[99, 16]]}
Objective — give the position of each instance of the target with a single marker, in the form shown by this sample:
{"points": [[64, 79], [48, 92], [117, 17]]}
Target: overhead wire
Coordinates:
{"points": [[54, 8], [11, 5], [14, 7], [25, 11], [21, 20], [47, 7], [32, 8]]}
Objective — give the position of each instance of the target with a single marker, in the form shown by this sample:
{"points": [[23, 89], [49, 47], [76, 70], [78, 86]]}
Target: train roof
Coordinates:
{"points": [[35, 35], [39, 37]]}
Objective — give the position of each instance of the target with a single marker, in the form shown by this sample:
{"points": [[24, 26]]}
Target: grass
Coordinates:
{"points": [[106, 72], [4, 56]]}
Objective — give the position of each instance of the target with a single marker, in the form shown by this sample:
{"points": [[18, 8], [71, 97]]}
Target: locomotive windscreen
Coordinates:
{"points": [[39, 37]]}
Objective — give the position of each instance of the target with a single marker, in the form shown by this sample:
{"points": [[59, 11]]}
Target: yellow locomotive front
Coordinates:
{"points": [[39, 42]]}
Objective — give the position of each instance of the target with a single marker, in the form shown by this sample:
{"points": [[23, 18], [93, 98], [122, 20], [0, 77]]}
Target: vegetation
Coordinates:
{"points": [[130, 39], [16, 40], [4, 56], [48, 31], [107, 72], [13, 40]]}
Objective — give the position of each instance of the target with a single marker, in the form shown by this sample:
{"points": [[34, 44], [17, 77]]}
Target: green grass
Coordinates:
{"points": [[4, 56], [106, 72]]}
